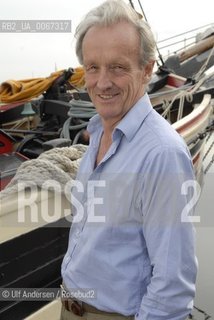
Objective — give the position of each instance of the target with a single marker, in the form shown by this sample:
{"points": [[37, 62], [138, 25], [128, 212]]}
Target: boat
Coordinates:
{"points": [[54, 122]]}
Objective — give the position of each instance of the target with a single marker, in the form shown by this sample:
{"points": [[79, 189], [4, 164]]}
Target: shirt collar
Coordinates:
{"points": [[130, 124], [132, 121]]}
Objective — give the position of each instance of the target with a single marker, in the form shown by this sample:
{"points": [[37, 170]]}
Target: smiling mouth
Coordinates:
{"points": [[107, 96]]}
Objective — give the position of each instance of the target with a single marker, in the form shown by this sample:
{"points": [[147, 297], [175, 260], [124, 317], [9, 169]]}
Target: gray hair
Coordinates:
{"points": [[112, 12]]}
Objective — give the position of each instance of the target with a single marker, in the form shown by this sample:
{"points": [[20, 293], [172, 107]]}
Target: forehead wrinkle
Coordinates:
{"points": [[96, 54], [115, 39]]}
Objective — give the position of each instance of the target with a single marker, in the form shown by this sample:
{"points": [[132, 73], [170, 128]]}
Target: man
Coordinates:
{"points": [[130, 256]]}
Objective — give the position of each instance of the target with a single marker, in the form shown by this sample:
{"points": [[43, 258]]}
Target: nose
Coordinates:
{"points": [[103, 81]]}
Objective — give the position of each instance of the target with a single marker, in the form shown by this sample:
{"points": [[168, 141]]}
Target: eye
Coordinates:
{"points": [[117, 68], [91, 69]]}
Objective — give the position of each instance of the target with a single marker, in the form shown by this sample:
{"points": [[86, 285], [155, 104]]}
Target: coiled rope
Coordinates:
{"points": [[79, 114]]}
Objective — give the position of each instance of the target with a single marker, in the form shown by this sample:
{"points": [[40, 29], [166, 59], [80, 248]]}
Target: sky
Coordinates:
{"points": [[31, 55]]}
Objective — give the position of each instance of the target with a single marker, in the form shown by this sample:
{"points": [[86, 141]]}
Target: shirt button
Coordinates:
{"points": [[77, 233]]}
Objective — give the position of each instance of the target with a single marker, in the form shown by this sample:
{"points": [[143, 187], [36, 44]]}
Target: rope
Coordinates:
{"points": [[203, 67], [188, 94], [76, 138], [200, 136], [209, 165], [208, 136], [182, 94], [79, 114], [209, 133], [206, 316], [181, 107], [208, 151]]}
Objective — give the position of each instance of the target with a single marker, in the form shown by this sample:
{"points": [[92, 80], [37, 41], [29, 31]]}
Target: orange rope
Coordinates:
{"points": [[19, 90]]}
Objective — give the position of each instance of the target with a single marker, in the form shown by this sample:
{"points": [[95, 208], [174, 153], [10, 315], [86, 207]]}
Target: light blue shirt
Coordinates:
{"points": [[127, 241]]}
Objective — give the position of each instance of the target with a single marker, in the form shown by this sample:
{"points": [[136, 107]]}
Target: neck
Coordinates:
{"points": [[106, 140], [108, 127]]}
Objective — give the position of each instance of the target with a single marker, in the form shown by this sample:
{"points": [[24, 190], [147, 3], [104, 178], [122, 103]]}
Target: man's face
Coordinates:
{"points": [[114, 79]]}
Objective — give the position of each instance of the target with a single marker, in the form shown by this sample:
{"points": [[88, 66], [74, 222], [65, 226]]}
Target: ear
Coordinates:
{"points": [[148, 69]]}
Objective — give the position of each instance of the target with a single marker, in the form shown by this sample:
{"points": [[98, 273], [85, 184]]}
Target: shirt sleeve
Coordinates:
{"points": [[170, 241]]}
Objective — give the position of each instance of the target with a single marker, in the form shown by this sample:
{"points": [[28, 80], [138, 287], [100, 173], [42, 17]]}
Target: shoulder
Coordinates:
{"points": [[157, 137], [162, 132]]}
